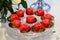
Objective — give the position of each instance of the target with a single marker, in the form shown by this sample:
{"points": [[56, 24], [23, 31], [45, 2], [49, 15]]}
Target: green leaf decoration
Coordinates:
{"points": [[4, 11], [24, 4], [10, 25], [24, 31], [10, 9], [35, 20], [9, 2], [32, 28], [13, 26], [1, 4], [41, 30], [51, 24], [54, 31], [8, 19], [9, 6], [52, 18]]}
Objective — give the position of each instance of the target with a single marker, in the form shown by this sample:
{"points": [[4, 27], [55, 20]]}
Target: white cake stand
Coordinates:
{"points": [[16, 35]]}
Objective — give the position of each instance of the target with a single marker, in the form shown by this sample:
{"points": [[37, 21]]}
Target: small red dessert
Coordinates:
{"points": [[29, 11], [24, 28], [30, 19], [20, 13], [13, 17], [40, 12], [46, 22], [16, 23], [47, 16], [38, 27]]}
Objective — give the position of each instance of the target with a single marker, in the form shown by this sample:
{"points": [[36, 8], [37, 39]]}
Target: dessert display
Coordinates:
{"points": [[29, 23], [32, 22]]}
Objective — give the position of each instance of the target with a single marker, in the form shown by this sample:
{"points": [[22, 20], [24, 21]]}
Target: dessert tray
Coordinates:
{"points": [[29, 24]]}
